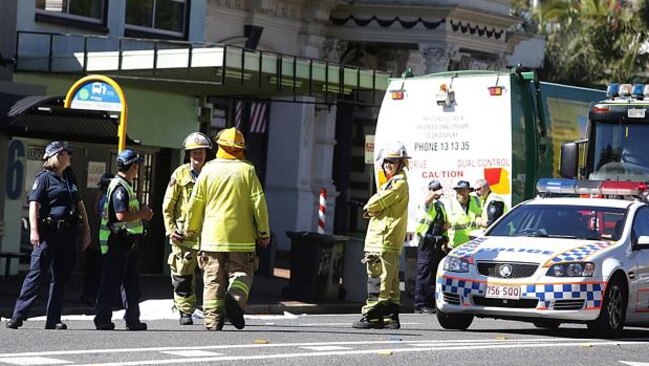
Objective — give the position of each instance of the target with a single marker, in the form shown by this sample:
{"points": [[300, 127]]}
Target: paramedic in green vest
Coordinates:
{"points": [[228, 209], [184, 250], [463, 212], [432, 247], [493, 206], [386, 232], [121, 229]]}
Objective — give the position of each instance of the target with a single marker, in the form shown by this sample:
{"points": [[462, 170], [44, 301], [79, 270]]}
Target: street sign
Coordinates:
{"points": [[100, 93], [96, 95], [369, 149]]}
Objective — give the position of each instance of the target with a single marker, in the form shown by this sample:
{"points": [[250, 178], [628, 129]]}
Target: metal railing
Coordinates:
{"points": [[48, 52]]}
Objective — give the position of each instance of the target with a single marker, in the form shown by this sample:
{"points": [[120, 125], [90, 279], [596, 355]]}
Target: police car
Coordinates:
{"points": [[558, 258]]}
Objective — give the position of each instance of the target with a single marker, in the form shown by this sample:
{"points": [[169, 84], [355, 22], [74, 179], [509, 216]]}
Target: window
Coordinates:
{"points": [[93, 11], [167, 17], [641, 223]]}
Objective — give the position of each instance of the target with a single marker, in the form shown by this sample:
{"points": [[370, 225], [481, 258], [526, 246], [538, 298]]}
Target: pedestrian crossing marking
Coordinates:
{"points": [[28, 361], [192, 353], [326, 348]]}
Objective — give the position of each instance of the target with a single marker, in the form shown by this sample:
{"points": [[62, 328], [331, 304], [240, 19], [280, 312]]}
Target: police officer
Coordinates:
{"points": [[386, 232], [493, 206], [121, 228], [463, 211], [228, 207], [432, 248], [184, 250], [56, 214]]}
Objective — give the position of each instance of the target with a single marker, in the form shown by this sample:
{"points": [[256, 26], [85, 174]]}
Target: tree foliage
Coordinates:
{"points": [[594, 42]]}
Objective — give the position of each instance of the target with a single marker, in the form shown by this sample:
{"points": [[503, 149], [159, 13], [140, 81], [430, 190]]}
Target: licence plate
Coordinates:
{"points": [[503, 292], [636, 113]]}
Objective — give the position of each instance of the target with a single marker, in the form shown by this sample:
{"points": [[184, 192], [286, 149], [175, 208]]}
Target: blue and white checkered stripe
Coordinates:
{"points": [[546, 293], [467, 249], [577, 254]]}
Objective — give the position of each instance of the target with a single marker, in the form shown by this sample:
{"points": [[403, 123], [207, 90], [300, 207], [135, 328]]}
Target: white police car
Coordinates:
{"points": [[556, 259]]}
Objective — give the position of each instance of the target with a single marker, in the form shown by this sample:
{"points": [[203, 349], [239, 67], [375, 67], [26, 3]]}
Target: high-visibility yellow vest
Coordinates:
{"points": [[462, 222], [429, 218], [485, 205], [133, 227]]}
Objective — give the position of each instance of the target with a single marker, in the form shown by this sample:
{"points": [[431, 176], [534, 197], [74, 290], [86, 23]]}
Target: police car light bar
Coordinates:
{"points": [[592, 187], [635, 91]]}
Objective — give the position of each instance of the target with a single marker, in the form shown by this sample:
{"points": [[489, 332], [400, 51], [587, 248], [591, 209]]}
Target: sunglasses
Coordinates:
{"points": [[392, 162]]}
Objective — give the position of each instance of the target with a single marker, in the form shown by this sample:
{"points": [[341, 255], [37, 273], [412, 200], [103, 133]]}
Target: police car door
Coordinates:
{"points": [[638, 309]]}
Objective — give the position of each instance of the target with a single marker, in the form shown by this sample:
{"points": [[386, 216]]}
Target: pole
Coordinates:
{"points": [[322, 211]]}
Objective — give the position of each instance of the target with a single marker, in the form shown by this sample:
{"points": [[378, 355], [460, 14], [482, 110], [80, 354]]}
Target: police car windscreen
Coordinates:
{"points": [[562, 221]]}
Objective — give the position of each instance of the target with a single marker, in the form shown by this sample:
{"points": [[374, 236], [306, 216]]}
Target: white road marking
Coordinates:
{"points": [[635, 363], [326, 348], [432, 345], [192, 353], [360, 352], [33, 361]]}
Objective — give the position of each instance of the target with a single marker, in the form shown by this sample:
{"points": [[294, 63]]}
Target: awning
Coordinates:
{"points": [[204, 69], [38, 116]]}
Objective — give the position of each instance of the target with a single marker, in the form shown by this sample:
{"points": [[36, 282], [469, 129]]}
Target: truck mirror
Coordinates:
{"points": [[568, 164]]}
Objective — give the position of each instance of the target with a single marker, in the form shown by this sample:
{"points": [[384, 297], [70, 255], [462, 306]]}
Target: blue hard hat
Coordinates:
{"points": [[128, 157], [56, 147]]}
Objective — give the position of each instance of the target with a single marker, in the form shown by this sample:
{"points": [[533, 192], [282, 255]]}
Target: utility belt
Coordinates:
{"points": [[436, 241], [122, 237], [61, 224]]}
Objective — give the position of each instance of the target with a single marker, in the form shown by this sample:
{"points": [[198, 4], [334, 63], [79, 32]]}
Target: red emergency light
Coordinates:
{"points": [[622, 188], [397, 94], [496, 91]]}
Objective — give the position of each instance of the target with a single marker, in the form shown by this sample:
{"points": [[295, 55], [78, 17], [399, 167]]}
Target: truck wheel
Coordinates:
{"points": [[547, 324], [610, 322], [454, 321]]}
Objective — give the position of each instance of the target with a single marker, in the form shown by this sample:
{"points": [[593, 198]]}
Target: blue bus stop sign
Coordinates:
{"points": [[96, 95]]}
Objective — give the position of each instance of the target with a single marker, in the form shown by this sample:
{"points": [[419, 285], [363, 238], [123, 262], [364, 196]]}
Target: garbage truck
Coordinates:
{"points": [[502, 126], [615, 147]]}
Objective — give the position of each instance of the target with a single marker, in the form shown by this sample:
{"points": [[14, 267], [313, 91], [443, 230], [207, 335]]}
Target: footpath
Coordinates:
{"points": [[266, 296]]}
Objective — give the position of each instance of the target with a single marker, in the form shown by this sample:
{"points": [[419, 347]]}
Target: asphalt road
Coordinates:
{"points": [[319, 340]]}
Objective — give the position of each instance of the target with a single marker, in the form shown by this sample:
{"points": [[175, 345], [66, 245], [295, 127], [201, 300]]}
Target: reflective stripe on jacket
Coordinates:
{"points": [[176, 201], [388, 209], [228, 207], [133, 227], [462, 222]]}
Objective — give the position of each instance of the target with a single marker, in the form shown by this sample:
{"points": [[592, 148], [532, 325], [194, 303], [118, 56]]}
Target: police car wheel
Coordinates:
{"points": [[610, 322], [547, 324], [454, 321]]}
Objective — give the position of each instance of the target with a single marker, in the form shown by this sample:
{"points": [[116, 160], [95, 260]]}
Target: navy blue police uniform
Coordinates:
{"points": [[120, 268], [58, 226]]}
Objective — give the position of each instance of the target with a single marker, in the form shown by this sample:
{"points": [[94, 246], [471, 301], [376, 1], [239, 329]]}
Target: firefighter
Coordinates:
{"points": [[431, 249], [56, 215], [463, 211], [121, 229], [493, 206], [386, 232], [184, 250], [228, 208]]}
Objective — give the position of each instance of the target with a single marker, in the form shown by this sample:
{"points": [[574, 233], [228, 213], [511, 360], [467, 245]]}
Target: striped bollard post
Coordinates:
{"points": [[322, 211]]}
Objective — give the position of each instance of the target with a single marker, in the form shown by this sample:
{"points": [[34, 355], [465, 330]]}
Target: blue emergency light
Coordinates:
{"points": [[554, 185], [638, 91], [611, 90]]}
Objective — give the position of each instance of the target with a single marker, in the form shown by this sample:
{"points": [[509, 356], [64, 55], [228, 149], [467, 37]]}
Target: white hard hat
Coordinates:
{"points": [[197, 140], [395, 150]]}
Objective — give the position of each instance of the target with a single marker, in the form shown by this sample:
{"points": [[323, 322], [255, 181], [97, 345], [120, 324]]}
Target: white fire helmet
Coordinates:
{"points": [[197, 140]]}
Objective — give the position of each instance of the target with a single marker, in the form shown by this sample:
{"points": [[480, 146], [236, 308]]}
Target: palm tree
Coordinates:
{"points": [[593, 42]]}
